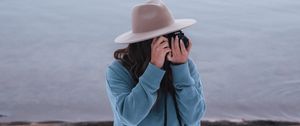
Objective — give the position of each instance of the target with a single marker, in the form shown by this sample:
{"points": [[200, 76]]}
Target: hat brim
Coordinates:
{"points": [[130, 37]]}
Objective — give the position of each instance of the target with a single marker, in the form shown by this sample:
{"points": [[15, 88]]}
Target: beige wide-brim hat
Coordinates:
{"points": [[150, 20]]}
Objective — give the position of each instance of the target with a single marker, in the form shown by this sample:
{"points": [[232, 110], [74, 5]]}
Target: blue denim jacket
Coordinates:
{"points": [[135, 104]]}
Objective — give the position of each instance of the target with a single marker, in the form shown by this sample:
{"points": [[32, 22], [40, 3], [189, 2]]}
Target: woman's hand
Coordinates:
{"points": [[179, 54], [159, 49]]}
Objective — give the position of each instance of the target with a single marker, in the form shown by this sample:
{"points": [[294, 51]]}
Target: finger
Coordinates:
{"points": [[172, 44], [164, 45], [153, 41], [162, 39], [159, 40], [176, 42], [183, 50], [176, 46], [170, 57], [166, 50]]}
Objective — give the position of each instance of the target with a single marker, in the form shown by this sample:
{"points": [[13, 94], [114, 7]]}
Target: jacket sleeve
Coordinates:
{"points": [[133, 103], [189, 92]]}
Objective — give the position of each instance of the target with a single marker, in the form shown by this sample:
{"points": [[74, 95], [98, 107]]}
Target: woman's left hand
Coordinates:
{"points": [[179, 54]]}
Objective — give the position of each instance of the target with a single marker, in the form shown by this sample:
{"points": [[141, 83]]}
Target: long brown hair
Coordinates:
{"points": [[135, 58]]}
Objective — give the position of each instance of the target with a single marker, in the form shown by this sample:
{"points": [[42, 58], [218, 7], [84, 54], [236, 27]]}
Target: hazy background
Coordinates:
{"points": [[54, 53]]}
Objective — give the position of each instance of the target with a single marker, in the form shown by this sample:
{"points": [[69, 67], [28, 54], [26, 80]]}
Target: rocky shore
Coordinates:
{"points": [[110, 123]]}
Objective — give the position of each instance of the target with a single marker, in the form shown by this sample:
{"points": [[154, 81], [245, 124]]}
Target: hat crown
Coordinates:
{"points": [[150, 16]]}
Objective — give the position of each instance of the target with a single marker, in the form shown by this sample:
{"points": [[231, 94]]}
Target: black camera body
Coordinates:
{"points": [[180, 35]]}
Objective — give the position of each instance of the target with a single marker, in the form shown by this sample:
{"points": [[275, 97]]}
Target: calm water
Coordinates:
{"points": [[53, 55]]}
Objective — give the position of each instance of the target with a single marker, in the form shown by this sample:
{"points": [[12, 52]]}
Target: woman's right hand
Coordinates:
{"points": [[159, 49]]}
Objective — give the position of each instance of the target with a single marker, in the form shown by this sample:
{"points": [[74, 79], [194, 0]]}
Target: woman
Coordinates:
{"points": [[153, 82]]}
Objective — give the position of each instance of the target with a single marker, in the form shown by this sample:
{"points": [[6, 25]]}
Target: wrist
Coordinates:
{"points": [[176, 63], [152, 62]]}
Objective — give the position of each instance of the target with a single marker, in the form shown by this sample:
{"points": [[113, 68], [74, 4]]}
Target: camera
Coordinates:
{"points": [[180, 35]]}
